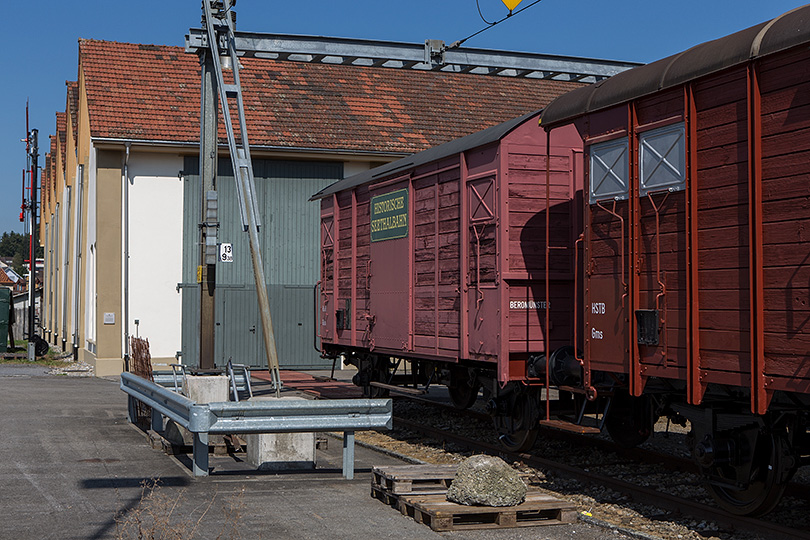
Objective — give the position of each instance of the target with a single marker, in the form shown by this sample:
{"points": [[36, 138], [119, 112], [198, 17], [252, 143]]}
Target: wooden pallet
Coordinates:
{"points": [[420, 491], [440, 514], [422, 479]]}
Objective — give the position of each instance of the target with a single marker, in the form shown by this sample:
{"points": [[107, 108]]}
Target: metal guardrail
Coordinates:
{"points": [[267, 416], [294, 416], [161, 399]]}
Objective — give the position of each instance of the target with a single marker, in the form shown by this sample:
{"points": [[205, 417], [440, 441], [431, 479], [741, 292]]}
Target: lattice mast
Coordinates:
{"points": [[219, 21]]}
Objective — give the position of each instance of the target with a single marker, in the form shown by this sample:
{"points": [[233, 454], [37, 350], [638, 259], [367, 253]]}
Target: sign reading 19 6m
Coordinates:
{"points": [[389, 216]]}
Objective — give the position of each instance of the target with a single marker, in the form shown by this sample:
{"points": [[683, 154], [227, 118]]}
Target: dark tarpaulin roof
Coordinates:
{"points": [[787, 30], [456, 146]]}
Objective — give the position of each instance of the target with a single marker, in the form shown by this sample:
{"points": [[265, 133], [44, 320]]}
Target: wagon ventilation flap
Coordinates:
{"points": [[647, 321]]}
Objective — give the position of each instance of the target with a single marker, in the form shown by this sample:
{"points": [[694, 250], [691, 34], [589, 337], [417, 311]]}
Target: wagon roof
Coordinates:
{"points": [[456, 146], [787, 30]]}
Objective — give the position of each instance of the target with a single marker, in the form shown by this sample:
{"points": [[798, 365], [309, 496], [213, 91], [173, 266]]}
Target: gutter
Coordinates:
{"points": [[126, 181], [78, 259], [159, 143]]}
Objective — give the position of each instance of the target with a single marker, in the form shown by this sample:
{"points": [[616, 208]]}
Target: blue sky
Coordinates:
{"points": [[41, 41]]}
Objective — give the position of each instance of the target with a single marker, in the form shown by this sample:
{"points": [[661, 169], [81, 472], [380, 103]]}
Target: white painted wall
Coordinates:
{"points": [[155, 250], [350, 168]]}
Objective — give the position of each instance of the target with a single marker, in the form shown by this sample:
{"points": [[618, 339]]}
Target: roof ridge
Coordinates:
{"points": [[112, 42]]}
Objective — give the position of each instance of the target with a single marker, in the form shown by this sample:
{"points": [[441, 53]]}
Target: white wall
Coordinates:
{"points": [[155, 250], [350, 168], [65, 312]]}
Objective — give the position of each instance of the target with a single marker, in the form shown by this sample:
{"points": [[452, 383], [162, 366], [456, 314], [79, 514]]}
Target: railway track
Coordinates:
{"points": [[646, 477], [628, 485], [638, 454]]}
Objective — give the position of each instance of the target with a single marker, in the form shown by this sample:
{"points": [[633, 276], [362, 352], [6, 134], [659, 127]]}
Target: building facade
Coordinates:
{"points": [[121, 195]]}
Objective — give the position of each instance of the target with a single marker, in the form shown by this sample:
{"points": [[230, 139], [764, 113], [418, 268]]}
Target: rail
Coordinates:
{"points": [[347, 415]]}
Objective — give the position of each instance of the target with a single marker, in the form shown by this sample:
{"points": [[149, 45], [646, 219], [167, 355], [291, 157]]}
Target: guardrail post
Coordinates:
{"points": [[200, 454], [348, 455], [131, 409], [157, 420]]}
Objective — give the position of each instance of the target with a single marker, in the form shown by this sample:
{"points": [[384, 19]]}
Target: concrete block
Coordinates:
{"points": [[206, 388], [280, 451], [200, 389], [177, 434]]}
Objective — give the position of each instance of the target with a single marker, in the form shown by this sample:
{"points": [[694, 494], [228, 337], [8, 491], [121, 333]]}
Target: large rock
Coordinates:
{"points": [[486, 481]]}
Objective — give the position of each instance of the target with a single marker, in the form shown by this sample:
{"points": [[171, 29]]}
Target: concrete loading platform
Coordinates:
{"points": [[72, 463]]}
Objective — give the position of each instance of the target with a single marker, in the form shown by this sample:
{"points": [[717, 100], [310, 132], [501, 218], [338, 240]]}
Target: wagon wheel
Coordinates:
{"points": [[463, 388], [517, 423], [771, 468], [379, 371], [630, 420]]}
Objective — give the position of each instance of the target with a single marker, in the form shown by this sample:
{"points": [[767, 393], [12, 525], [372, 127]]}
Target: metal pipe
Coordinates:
{"points": [[547, 276], [32, 263], [55, 286], [657, 209], [45, 320], [126, 256], [78, 260], [65, 263]]}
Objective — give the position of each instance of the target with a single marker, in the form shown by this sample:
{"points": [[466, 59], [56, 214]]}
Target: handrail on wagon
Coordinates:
{"points": [[347, 415]]}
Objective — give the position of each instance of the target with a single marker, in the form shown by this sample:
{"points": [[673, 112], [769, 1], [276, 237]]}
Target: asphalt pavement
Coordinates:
{"points": [[73, 467]]}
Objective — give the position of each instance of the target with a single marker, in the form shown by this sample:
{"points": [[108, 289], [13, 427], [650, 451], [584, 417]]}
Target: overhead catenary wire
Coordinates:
{"points": [[490, 24], [478, 5]]}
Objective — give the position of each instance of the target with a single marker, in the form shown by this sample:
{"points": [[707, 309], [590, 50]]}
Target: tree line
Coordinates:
{"points": [[15, 245]]}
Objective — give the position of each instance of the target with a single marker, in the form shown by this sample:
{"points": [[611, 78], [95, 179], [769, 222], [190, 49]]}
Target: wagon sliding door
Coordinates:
{"points": [[482, 278], [389, 272], [607, 256], [660, 305]]}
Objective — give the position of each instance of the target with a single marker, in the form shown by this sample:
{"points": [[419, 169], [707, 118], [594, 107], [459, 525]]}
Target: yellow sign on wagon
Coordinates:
{"points": [[389, 216]]}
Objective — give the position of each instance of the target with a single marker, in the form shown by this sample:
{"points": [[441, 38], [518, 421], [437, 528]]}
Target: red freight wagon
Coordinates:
{"points": [[440, 259], [696, 251]]}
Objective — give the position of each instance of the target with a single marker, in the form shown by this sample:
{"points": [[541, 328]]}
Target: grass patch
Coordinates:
{"points": [[157, 516], [48, 361]]}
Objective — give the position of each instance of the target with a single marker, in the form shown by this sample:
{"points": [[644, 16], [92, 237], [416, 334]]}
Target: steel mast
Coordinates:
{"points": [[219, 21]]}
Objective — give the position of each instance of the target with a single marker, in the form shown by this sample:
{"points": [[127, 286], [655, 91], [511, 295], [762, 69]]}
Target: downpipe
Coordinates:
{"points": [[126, 256]]}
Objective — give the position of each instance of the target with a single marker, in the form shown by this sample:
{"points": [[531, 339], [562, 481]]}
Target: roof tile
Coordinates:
{"points": [[152, 92]]}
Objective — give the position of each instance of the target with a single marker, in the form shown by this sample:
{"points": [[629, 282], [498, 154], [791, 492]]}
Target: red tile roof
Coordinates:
{"points": [[5, 279], [45, 180], [61, 127], [52, 174], [73, 105], [152, 92]]}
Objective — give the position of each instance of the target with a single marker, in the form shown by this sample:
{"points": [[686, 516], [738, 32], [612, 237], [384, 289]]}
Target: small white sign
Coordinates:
{"points": [[226, 253], [109, 318]]}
